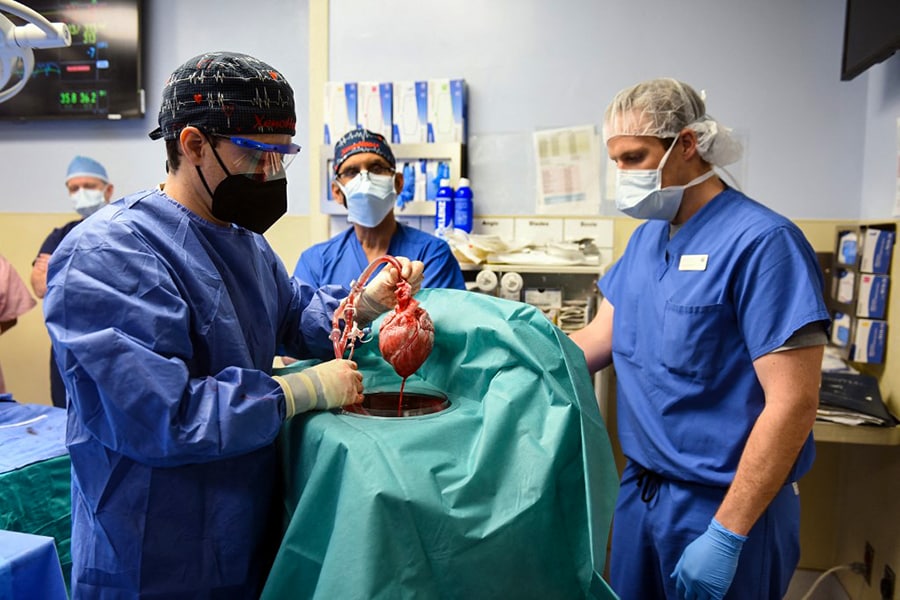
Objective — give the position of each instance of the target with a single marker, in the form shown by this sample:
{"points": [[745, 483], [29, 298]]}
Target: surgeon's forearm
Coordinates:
{"points": [[595, 339], [791, 385], [770, 453]]}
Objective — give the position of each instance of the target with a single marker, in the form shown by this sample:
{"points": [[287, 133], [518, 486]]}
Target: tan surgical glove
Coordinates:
{"points": [[327, 385], [380, 294]]}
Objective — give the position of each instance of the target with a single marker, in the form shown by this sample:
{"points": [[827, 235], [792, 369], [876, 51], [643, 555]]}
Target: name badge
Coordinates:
{"points": [[693, 262]]}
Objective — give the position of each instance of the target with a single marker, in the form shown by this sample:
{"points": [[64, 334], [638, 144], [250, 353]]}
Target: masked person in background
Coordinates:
{"points": [[89, 190], [366, 183], [715, 322], [165, 312]]}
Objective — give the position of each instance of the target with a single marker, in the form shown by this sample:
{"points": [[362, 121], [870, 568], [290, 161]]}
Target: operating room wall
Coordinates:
{"points": [[770, 69]]}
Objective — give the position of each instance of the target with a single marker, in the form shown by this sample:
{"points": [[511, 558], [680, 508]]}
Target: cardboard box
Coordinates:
{"points": [[869, 340], [447, 111], [840, 330], [873, 294], [341, 109], [844, 283], [847, 248], [878, 245], [376, 109], [410, 112]]}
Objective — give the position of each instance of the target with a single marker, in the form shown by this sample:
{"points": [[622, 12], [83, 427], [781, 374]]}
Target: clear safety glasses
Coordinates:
{"points": [[260, 159]]}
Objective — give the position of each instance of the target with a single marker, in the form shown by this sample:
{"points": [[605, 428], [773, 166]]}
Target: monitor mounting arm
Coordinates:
{"points": [[16, 42]]}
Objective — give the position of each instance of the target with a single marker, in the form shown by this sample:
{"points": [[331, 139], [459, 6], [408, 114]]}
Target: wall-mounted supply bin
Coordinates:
{"points": [[859, 291]]}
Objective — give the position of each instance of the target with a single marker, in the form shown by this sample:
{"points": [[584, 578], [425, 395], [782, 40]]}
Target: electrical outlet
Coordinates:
{"points": [[868, 561], [887, 584]]}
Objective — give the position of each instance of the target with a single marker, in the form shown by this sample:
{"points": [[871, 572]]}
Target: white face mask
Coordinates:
{"points": [[87, 202], [639, 193], [369, 198]]}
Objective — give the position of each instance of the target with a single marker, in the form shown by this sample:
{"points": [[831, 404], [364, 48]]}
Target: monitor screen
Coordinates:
{"points": [[97, 77], [871, 34]]}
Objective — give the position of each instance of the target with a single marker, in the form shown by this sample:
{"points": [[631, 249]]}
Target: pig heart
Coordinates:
{"points": [[407, 334]]}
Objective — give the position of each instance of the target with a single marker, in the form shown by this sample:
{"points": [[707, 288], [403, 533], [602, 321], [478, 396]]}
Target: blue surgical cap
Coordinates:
{"points": [[82, 166]]}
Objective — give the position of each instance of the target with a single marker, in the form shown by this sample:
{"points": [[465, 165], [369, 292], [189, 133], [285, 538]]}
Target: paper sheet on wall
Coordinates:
{"points": [[568, 171], [897, 193]]}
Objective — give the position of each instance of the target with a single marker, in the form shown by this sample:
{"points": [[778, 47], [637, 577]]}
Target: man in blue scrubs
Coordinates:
{"points": [[366, 183], [89, 189], [715, 321], [165, 310]]}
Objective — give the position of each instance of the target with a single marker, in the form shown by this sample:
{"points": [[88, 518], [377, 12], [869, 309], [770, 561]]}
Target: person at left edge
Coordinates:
{"points": [[165, 311], [366, 183], [15, 301], [89, 189]]}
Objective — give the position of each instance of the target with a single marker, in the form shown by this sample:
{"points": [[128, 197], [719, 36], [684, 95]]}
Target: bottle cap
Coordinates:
{"points": [[463, 182], [445, 183]]}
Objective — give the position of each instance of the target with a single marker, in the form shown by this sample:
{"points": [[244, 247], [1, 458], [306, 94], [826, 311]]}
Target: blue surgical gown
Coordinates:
{"points": [[342, 259], [165, 327]]}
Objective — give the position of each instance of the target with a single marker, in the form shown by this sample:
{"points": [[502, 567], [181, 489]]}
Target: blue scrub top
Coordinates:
{"points": [[342, 259], [165, 327], [692, 313]]}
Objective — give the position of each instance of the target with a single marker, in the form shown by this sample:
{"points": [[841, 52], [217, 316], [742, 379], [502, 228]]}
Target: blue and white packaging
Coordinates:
{"points": [[847, 246], [341, 109], [376, 107], [840, 329], [868, 342], [878, 245], [410, 109], [873, 293], [844, 282], [447, 111]]}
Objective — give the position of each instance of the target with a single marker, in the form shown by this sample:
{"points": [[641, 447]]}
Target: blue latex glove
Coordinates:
{"points": [[707, 565]]}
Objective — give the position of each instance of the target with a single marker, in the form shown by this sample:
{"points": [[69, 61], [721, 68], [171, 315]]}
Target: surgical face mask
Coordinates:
{"points": [[86, 202], [369, 198], [249, 200], [639, 192]]}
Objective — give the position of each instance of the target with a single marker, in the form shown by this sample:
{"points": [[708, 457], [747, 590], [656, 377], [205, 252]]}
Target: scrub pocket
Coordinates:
{"points": [[692, 343], [624, 334]]}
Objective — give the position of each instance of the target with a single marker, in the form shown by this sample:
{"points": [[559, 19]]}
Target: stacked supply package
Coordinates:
{"points": [[341, 109], [426, 123], [860, 287], [404, 112], [870, 333]]}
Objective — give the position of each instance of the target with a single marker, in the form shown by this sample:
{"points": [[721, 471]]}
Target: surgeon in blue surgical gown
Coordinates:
{"points": [[165, 311]]}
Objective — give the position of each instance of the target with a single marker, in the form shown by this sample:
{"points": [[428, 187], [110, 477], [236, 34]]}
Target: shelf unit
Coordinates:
{"points": [[847, 274], [849, 263], [452, 153], [856, 434], [561, 269]]}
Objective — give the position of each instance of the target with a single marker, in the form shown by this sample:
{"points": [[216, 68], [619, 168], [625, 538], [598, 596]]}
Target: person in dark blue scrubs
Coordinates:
{"points": [[715, 322], [165, 310], [89, 189], [365, 182]]}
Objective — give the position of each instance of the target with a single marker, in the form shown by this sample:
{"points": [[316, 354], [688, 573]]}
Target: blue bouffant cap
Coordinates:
{"points": [[82, 166], [226, 93], [357, 141]]}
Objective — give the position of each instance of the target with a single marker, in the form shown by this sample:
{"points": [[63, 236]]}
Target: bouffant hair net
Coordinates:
{"points": [[662, 108]]}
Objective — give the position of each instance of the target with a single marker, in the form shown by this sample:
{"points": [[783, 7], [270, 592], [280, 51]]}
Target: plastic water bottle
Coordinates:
{"points": [[443, 214], [462, 206]]}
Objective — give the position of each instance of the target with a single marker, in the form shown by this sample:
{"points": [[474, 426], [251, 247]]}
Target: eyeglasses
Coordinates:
{"points": [[271, 158], [375, 169]]}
